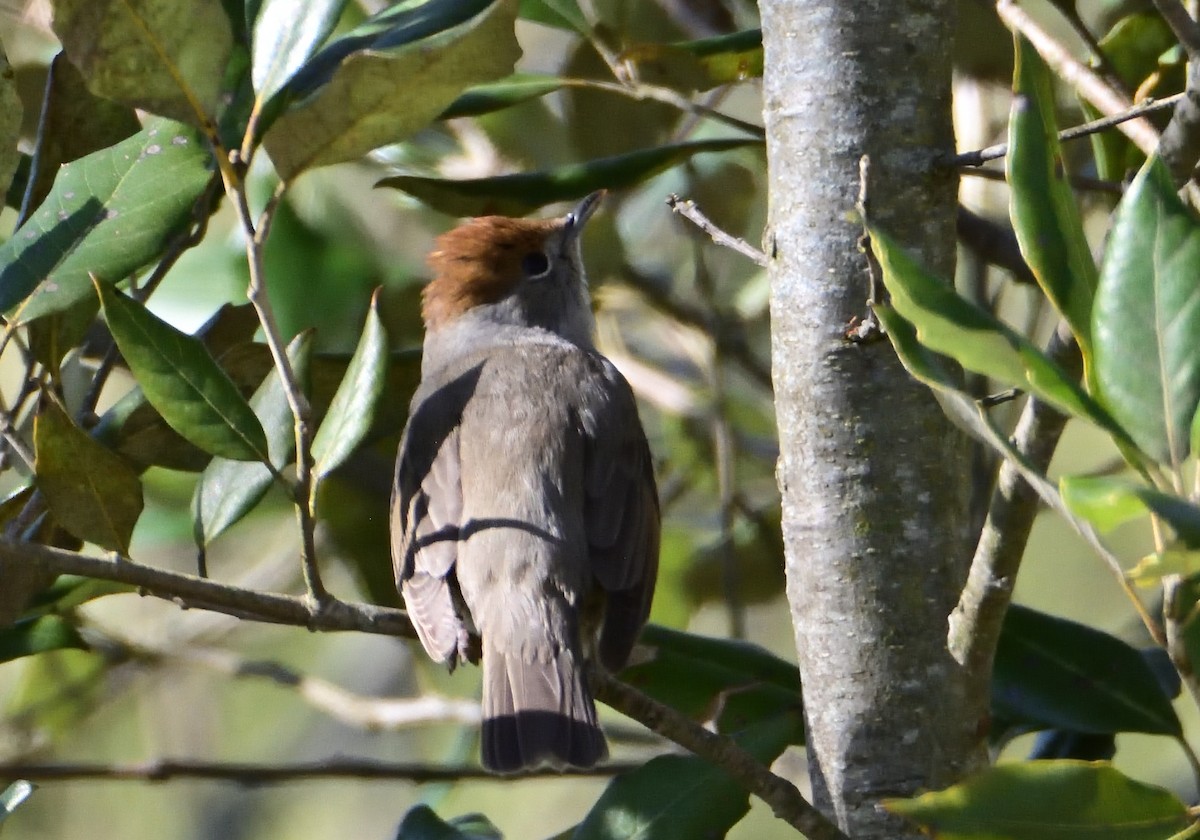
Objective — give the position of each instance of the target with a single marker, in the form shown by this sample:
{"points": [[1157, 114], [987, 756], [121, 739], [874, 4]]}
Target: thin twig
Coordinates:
{"points": [[189, 591], [1147, 106], [641, 91], [1085, 80], [1076, 182], [781, 795], [250, 773], [256, 236], [688, 209]]}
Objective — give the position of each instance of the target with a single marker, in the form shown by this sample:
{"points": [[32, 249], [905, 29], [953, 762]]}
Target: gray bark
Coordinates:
{"points": [[874, 478]]}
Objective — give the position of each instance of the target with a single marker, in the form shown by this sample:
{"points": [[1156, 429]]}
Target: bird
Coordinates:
{"points": [[525, 518]]}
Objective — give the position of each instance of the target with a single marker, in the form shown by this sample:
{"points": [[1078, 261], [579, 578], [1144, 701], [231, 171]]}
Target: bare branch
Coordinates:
{"points": [[688, 209], [189, 591], [1086, 81], [1182, 24], [249, 773]]}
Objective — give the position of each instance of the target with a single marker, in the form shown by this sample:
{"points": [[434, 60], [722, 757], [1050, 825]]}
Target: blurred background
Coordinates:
{"points": [[687, 323]]}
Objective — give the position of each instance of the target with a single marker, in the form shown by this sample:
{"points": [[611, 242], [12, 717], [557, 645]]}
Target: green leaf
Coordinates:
{"points": [[561, 14], [181, 380], [69, 591], [1044, 211], [362, 91], [677, 796], [1107, 502], [496, 96], [949, 324], [1051, 673], [227, 489], [10, 122], [1047, 800], [706, 677], [108, 214], [422, 823], [517, 195], [13, 796], [91, 491], [353, 408], [166, 58], [702, 64], [1147, 317], [31, 636], [285, 37], [74, 122]]}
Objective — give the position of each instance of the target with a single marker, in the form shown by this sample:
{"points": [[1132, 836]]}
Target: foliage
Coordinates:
{"points": [[159, 409]]}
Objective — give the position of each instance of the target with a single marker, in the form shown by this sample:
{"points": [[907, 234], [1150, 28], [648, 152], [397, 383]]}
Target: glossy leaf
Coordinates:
{"points": [[947, 323], [108, 214], [1147, 317], [285, 37], [166, 58], [181, 380], [1054, 673], [227, 489], [353, 408], [1047, 800], [1044, 210], [10, 122], [14, 796], [91, 491], [74, 122], [701, 676], [496, 96], [389, 78], [31, 636], [423, 823], [517, 195], [1107, 502], [678, 796]]}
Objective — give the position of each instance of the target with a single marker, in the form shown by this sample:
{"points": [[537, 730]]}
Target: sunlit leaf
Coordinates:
{"points": [[1152, 568], [1054, 673], [353, 408], [947, 323], [702, 64], [1147, 316], [91, 491], [74, 123], [13, 796], [1107, 502], [287, 35], [166, 58], [1047, 800], [1044, 210], [181, 380], [108, 214], [31, 636], [227, 489], [389, 78], [517, 195]]}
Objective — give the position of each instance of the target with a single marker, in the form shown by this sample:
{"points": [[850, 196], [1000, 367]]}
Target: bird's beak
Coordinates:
{"points": [[576, 219]]}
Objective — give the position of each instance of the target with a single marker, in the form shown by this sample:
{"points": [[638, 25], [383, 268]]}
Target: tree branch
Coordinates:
{"points": [[249, 773], [785, 800], [189, 591], [688, 209]]}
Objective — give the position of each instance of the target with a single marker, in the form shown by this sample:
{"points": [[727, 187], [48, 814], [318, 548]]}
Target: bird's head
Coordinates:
{"points": [[513, 272]]}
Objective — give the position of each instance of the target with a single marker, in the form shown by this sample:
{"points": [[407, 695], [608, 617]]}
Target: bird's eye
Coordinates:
{"points": [[535, 264]]}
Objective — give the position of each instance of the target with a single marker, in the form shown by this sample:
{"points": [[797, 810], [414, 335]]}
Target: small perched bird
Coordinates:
{"points": [[524, 511]]}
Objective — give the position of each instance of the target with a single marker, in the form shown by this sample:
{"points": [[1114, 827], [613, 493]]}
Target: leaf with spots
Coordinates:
{"points": [[108, 214]]}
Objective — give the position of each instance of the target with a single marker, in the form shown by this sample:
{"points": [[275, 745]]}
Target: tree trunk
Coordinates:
{"points": [[874, 478]]}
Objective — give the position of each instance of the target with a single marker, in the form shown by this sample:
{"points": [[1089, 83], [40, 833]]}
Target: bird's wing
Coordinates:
{"points": [[621, 516], [425, 519]]}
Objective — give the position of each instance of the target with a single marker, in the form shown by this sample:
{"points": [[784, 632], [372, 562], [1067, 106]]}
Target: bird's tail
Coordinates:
{"points": [[538, 713]]}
